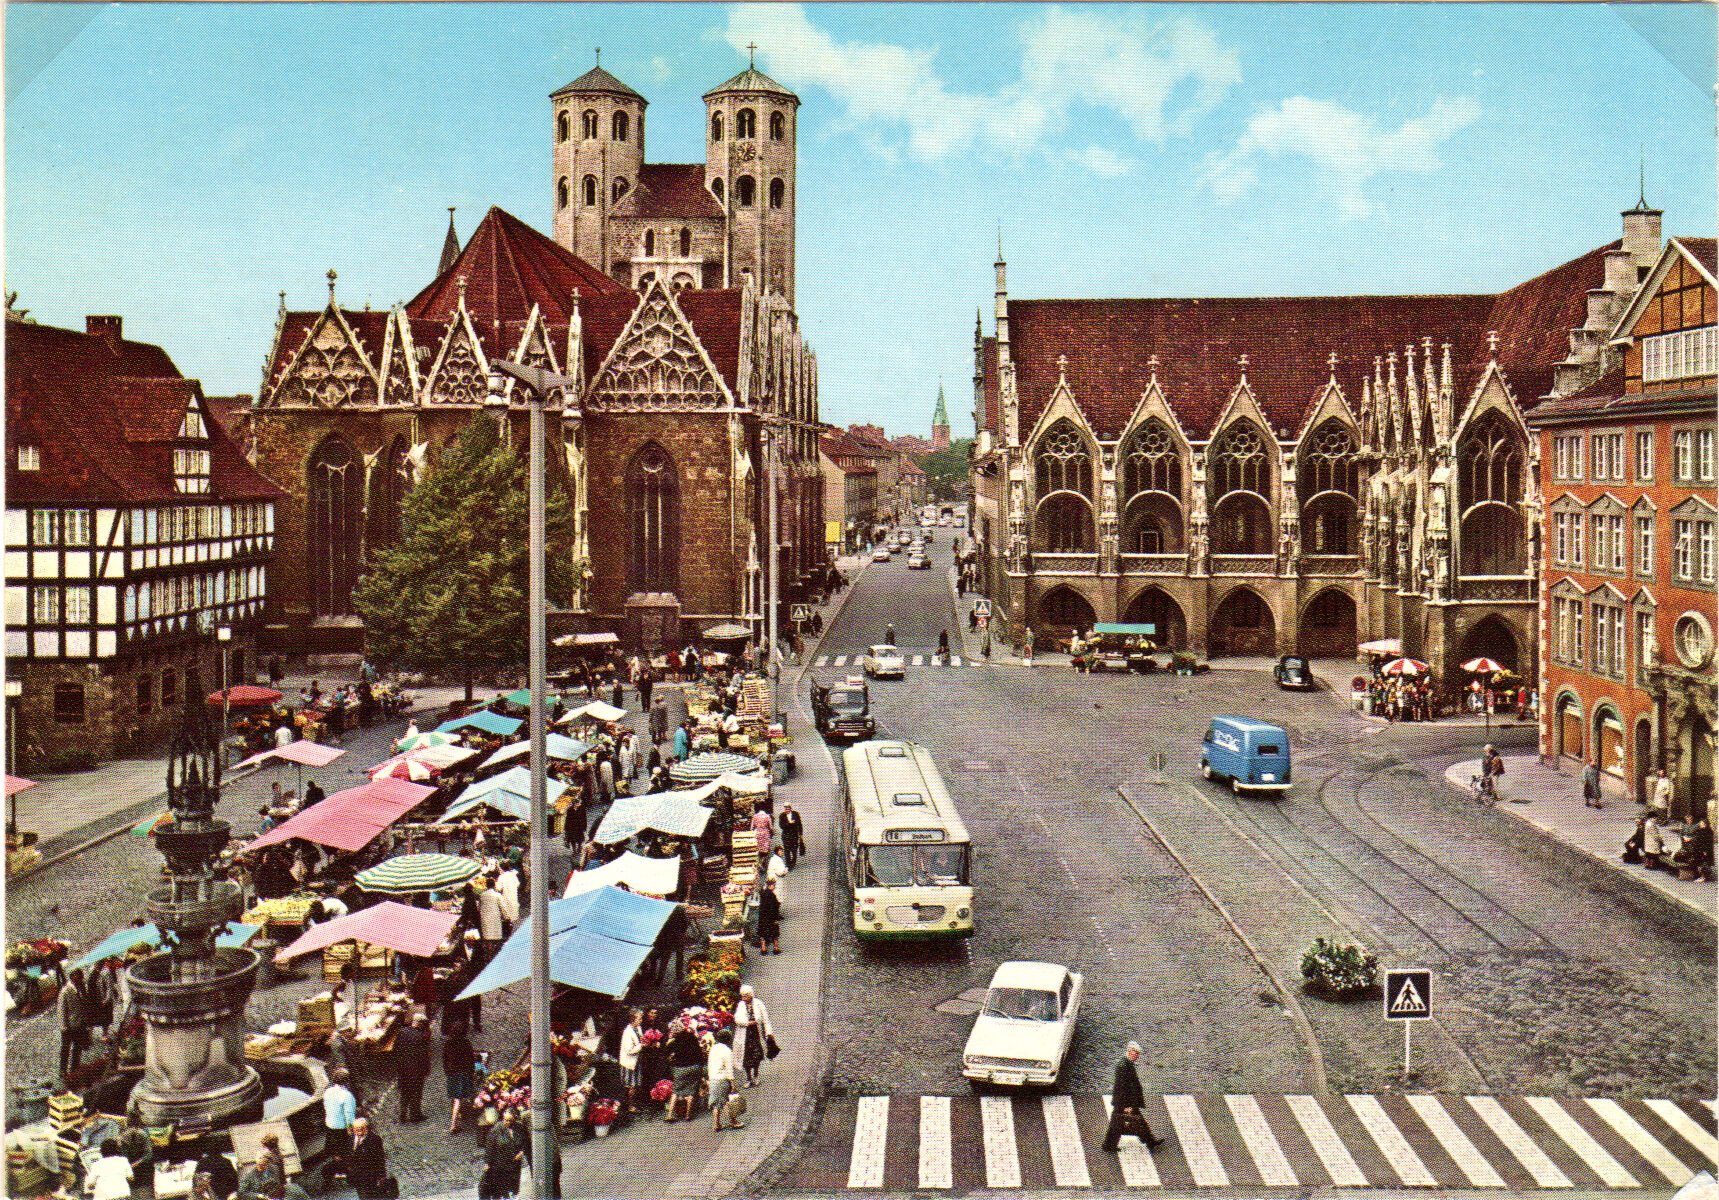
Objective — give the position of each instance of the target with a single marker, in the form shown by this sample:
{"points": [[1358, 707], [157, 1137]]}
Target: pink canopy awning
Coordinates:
{"points": [[415, 931], [305, 753], [15, 785], [349, 820]]}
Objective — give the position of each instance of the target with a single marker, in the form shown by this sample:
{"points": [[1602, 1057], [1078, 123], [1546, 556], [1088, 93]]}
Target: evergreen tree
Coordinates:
{"points": [[946, 470], [451, 594]]}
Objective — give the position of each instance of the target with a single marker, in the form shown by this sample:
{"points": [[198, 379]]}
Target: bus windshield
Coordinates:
{"points": [[916, 866]]}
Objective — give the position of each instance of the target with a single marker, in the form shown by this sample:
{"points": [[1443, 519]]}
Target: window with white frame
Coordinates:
{"points": [[1644, 638], [1683, 550], [191, 470], [45, 605], [29, 458], [1578, 648], [1679, 355], [1567, 453], [1618, 552], [1597, 541], [47, 526], [1643, 455], [1619, 652], [77, 605], [1704, 455], [1704, 550], [1614, 455], [1560, 538], [1602, 637], [1644, 545], [77, 527], [1576, 530]]}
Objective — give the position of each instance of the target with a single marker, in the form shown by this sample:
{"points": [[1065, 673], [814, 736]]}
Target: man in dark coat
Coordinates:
{"points": [[366, 1162], [412, 1062], [793, 835], [1128, 1104]]}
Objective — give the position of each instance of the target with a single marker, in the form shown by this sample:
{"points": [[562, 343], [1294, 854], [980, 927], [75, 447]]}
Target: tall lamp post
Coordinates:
{"points": [[538, 383], [773, 666], [224, 638], [14, 689]]}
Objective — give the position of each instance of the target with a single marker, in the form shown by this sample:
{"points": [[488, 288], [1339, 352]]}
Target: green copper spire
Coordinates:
{"points": [[941, 416]]}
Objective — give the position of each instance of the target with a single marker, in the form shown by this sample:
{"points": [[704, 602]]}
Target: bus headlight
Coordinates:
{"points": [[868, 915], [963, 913]]}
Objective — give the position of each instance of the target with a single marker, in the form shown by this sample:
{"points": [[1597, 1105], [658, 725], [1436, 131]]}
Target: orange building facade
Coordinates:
{"points": [[1627, 588]]}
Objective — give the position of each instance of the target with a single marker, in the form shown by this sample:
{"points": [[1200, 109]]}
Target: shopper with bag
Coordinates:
{"points": [[1128, 1105], [719, 1070], [752, 1027]]}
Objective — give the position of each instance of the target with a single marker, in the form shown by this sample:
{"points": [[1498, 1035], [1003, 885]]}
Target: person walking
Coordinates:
{"points": [[1659, 795], [719, 1072], [647, 681], [74, 1014], [776, 868], [943, 646], [763, 830], [503, 1158], [1027, 648], [1591, 785], [889, 633], [632, 1045], [367, 1164], [686, 1066], [659, 721], [258, 1181], [339, 1112], [752, 1028], [1128, 1105], [459, 1064], [769, 919], [412, 1051], [507, 883], [490, 917], [682, 741], [793, 834], [1492, 767]]}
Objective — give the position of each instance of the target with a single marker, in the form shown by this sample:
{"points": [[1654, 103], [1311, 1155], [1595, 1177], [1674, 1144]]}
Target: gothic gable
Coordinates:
{"points": [[1330, 404], [1154, 405], [1493, 393], [460, 374], [1062, 406], [399, 377], [330, 368], [657, 362], [1242, 405]]}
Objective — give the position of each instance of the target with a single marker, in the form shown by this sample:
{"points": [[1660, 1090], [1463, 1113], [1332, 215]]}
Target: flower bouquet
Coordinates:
{"points": [[601, 1114], [662, 1090], [651, 1037]]}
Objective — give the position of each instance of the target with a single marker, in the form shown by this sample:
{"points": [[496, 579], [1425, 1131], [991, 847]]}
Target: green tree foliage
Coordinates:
{"points": [[451, 594], [946, 470]]}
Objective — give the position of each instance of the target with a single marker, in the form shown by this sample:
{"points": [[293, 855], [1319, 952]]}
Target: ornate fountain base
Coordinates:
{"points": [[194, 1057]]}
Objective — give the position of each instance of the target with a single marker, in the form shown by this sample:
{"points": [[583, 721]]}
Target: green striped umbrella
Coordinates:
{"points": [[431, 738], [408, 873], [700, 767]]}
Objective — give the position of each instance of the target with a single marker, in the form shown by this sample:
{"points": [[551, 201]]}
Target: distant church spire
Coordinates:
{"points": [[450, 246], [940, 421]]}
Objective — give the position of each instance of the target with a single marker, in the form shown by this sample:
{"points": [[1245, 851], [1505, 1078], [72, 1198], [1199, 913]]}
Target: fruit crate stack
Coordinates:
{"points": [[65, 1113], [743, 861]]}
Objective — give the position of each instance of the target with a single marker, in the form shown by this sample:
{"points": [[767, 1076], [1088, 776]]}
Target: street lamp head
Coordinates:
{"points": [[14, 688], [224, 633]]}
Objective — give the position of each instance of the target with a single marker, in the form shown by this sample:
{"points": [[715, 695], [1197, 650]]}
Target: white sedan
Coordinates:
{"points": [[881, 554], [884, 662], [1024, 1031]]}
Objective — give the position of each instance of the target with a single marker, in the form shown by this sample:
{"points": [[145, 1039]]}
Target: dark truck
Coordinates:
{"points": [[842, 711]]}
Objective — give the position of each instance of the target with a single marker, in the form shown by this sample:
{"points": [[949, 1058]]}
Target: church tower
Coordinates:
{"points": [[599, 151], [749, 168], [940, 421]]}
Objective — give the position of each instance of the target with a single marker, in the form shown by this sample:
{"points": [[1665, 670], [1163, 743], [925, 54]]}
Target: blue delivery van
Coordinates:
{"points": [[1249, 753]]}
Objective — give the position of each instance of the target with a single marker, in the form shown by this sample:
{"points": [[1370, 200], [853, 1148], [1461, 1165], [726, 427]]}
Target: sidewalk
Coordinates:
{"points": [[1551, 802]]}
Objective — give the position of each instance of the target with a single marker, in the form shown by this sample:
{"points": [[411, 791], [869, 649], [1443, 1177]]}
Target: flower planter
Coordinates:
{"points": [[489, 1116], [601, 1130]]}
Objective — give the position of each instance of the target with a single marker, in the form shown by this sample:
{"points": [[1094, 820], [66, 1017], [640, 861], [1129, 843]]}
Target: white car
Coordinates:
{"points": [[918, 562], [884, 662], [881, 554], [1024, 1031]]}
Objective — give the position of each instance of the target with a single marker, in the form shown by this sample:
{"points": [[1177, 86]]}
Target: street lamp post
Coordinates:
{"points": [[537, 384], [773, 665], [14, 689], [224, 636]]}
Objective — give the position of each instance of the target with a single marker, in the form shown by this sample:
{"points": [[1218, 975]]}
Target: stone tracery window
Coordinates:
{"points": [[1490, 458], [1240, 484], [1152, 492], [1063, 465], [1063, 462], [653, 512], [1328, 486]]}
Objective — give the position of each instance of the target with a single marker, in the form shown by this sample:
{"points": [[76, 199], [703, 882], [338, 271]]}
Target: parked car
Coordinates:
{"points": [[1249, 753], [918, 562], [881, 554], [884, 662], [1294, 671], [1023, 1033], [843, 710]]}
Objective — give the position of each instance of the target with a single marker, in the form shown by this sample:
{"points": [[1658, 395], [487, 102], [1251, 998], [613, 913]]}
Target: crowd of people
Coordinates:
{"points": [[1418, 698]]}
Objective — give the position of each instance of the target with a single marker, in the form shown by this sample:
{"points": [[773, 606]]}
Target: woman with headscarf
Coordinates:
{"points": [[751, 1026]]}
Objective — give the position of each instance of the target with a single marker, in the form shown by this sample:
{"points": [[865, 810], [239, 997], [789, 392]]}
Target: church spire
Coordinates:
{"points": [[450, 246], [940, 420]]}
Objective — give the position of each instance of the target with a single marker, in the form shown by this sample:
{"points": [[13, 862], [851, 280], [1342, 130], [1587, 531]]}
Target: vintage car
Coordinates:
{"points": [[842, 711], [1023, 1033], [1294, 671], [881, 554], [884, 662]]}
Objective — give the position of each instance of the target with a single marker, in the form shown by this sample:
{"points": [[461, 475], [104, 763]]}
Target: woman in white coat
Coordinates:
{"points": [[632, 1042], [752, 1027]]}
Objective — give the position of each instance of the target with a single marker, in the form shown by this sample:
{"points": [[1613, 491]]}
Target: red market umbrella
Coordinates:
{"points": [[14, 785], [1482, 666], [1404, 666], [246, 695], [405, 768]]}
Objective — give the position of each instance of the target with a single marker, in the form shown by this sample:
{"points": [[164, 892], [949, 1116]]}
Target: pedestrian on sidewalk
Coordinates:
{"points": [[412, 1064], [503, 1158], [752, 1027], [763, 831], [459, 1064], [339, 1111], [1128, 1105], [74, 1022], [367, 1164], [793, 834], [1027, 648], [1591, 785], [769, 919], [719, 1071], [1659, 793], [943, 646], [686, 1067], [776, 868], [1492, 767]]}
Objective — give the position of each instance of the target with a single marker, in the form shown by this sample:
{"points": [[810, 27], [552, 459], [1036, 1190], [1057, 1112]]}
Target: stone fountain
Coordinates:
{"points": [[192, 993]]}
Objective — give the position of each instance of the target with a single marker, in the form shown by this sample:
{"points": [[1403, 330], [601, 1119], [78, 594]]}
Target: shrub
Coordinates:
{"points": [[1341, 970]]}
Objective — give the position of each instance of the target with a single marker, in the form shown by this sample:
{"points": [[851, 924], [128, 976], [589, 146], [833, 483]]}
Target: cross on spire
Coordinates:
{"points": [[1242, 361], [1152, 365], [1492, 345], [1062, 365], [599, 56], [1331, 361], [332, 276], [752, 55]]}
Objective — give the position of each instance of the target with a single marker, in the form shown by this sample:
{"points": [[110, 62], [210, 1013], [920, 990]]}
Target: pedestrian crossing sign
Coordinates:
{"points": [[802, 612], [1408, 995]]}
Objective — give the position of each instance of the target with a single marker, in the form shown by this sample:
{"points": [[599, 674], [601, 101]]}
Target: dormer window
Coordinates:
{"points": [[192, 426], [191, 470], [29, 458]]}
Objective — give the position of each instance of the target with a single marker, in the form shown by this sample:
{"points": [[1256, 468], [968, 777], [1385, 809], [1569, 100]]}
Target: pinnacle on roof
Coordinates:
{"points": [[598, 80], [450, 245]]}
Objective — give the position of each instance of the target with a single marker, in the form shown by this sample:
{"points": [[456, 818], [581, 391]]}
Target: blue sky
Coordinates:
{"points": [[183, 164]]}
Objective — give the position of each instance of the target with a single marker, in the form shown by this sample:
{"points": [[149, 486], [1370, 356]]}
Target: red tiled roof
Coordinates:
{"points": [[715, 316], [1702, 248], [508, 267], [669, 190], [1534, 319], [103, 417]]}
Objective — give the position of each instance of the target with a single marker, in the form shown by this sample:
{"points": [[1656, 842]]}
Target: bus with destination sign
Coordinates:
{"points": [[909, 862]]}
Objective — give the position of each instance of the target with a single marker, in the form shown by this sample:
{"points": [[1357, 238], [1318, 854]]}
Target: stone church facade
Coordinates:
{"points": [[1278, 475], [681, 384]]}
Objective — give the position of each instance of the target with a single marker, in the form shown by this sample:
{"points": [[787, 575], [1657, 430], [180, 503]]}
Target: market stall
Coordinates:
{"points": [[658, 877], [557, 746], [676, 814], [349, 820], [301, 754], [597, 941], [119, 942], [484, 720]]}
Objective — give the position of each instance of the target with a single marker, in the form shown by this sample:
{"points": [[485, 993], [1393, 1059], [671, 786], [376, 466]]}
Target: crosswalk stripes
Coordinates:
{"points": [[916, 660], [1244, 1141]]}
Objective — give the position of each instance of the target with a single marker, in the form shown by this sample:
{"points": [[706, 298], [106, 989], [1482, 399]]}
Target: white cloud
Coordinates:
{"points": [[1104, 162], [660, 69], [1156, 78], [1345, 147]]}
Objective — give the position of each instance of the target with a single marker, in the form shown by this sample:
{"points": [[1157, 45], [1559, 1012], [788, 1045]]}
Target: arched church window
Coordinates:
{"points": [[1152, 462], [1063, 463], [388, 486], [563, 127], [618, 127], [653, 512], [745, 124], [561, 193], [716, 187], [1490, 457], [685, 242], [1239, 463], [743, 191], [588, 123], [716, 127], [1329, 487], [334, 515], [650, 242], [617, 190], [778, 126], [590, 189], [778, 192], [1063, 524]]}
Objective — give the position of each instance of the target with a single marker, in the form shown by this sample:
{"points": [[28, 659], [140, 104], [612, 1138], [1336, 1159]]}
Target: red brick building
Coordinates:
{"points": [[1627, 584], [134, 530]]}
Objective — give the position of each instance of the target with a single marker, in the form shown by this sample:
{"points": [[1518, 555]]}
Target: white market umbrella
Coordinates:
{"points": [[1404, 666]]}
